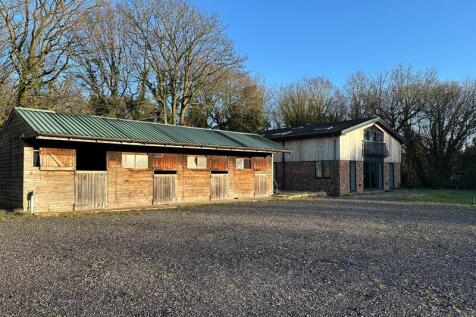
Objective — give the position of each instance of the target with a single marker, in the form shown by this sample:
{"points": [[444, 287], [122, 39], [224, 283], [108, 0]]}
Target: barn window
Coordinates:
{"points": [[196, 162], [243, 163], [57, 159], [36, 157], [323, 169], [135, 160]]}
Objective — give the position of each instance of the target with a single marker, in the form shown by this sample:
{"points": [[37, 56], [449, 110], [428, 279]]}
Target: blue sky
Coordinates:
{"points": [[288, 40]]}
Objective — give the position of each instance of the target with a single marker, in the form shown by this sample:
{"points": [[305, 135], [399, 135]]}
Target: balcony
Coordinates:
{"points": [[375, 149]]}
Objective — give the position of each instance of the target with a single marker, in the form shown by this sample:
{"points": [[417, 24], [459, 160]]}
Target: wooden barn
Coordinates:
{"points": [[51, 162]]}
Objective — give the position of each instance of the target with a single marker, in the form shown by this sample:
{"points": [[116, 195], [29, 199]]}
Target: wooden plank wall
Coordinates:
{"points": [[11, 165], [52, 190], [55, 190], [128, 187]]}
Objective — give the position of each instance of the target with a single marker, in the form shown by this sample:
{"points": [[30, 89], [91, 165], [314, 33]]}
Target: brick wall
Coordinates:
{"points": [[398, 179], [344, 177], [301, 176], [386, 177]]}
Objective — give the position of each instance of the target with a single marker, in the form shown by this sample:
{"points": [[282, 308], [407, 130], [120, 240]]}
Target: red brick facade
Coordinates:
{"points": [[301, 176]]}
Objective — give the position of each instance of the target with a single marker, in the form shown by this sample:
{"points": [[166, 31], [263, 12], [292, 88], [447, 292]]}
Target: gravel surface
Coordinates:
{"points": [[310, 257]]}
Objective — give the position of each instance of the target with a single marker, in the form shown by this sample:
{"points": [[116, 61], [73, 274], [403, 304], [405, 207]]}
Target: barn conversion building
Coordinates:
{"points": [[339, 158], [63, 162]]}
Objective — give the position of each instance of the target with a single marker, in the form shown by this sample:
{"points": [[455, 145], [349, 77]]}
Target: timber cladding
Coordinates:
{"points": [[57, 159], [11, 166], [130, 182], [53, 162]]}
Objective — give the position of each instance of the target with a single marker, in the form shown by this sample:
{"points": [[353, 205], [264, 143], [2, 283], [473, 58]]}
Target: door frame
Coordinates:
{"points": [[104, 205], [353, 172], [227, 184], [157, 174], [391, 175], [374, 165]]}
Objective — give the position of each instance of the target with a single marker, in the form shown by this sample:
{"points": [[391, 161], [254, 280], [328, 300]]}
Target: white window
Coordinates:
{"points": [[196, 162], [243, 163], [135, 160]]}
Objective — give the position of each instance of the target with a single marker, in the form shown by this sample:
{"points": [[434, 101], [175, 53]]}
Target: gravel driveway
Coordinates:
{"points": [[311, 257]]}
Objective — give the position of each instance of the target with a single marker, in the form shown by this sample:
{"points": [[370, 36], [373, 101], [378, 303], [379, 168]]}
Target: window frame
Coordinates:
{"points": [[196, 160], [374, 134], [36, 159], [244, 159], [325, 167], [135, 167]]}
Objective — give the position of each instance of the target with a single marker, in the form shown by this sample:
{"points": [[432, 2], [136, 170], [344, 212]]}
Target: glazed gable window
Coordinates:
{"points": [[196, 162], [323, 169], [135, 160], [243, 163], [373, 134]]}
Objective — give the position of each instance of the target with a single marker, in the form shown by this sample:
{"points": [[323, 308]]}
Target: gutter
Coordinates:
{"points": [[153, 144]]}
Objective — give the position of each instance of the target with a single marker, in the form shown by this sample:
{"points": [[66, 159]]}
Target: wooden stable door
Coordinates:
{"points": [[90, 190], [165, 188], [218, 186], [261, 185]]}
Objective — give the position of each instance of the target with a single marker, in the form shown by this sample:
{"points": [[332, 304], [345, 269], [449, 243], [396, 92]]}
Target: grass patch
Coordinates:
{"points": [[5, 215], [443, 196]]}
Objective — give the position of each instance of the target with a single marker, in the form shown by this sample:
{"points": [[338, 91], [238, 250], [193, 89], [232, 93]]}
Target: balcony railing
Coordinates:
{"points": [[376, 149]]}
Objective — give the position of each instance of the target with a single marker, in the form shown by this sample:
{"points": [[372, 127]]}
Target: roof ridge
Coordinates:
{"points": [[324, 123]]}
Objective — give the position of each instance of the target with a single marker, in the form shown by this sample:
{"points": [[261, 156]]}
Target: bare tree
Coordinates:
{"points": [[186, 51], [236, 103], [448, 122], [102, 54], [397, 96], [313, 100], [38, 34]]}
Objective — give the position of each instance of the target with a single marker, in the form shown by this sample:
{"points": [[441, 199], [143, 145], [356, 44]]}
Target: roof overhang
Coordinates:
{"points": [[160, 145]]}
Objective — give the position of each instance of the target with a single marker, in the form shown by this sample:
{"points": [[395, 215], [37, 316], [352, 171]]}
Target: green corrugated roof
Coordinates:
{"points": [[53, 124]]}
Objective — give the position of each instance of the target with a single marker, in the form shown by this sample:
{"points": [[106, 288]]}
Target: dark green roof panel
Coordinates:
{"points": [[49, 123]]}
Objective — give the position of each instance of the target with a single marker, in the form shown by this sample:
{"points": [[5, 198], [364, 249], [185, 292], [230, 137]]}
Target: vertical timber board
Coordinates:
{"points": [[219, 186], [11, 164], [261, 182], [90, 190], [165, 188]]}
